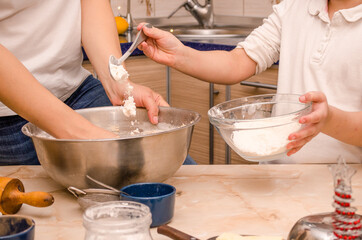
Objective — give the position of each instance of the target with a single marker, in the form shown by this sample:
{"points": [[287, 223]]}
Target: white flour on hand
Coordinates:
{"points": [[129, 107], [120, 74]]}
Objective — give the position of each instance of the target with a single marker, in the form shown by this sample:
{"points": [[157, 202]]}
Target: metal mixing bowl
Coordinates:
{"points": [[316, 227], [257, 127], [144, 157]]}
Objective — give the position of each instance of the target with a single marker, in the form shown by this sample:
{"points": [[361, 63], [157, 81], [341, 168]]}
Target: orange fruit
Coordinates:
{"points": [[122, 24]]}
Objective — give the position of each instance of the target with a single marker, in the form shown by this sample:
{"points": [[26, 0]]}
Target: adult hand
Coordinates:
{"points": [[313, 122], [145, 97], [160, 46], [118, 92]]}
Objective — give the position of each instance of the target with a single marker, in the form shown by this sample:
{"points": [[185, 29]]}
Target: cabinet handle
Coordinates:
{"points": [[258, 84], [216, 92]]}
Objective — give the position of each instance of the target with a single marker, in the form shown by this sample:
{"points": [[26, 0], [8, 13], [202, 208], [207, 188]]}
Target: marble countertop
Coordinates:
{"points": [[210, 199]]}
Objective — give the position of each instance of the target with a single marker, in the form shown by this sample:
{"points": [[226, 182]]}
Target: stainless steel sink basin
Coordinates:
{"points": [[226, 36], [228, 30], [210, 33]]}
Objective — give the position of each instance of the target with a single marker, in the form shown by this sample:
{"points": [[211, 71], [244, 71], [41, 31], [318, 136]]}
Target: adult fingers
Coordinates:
{"points": [[152, 108], [160, 101], [151, 102]]}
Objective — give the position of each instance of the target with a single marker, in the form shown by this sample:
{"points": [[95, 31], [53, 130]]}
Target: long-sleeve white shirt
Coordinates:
{"points": [[315, 54]]}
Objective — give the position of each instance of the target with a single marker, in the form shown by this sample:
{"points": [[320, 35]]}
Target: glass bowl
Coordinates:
{"points": [[257, 127]]}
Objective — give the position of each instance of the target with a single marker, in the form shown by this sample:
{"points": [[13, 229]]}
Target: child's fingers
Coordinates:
{"points": [[313, 117], [299, 143], [140, 25], [304, 132], [294, 150], [313, 97]]}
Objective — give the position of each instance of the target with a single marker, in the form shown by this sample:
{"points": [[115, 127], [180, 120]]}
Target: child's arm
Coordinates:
{"points": [[339, 124]]}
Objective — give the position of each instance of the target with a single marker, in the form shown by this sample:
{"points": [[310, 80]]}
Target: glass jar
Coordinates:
{"points": [[117, 220]]}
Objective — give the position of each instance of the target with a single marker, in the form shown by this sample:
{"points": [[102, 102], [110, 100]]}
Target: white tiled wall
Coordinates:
{"points": [[162, 8], [229, 7], [257, 8]]}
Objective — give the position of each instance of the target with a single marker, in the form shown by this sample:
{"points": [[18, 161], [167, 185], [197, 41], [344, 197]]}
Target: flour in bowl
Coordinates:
{"points": [[139, 129], [265, 137]]}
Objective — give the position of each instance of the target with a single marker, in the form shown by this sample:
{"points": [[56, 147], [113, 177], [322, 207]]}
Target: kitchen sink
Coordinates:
{"points": [[228, 35], [209, 33], [228, 30]]}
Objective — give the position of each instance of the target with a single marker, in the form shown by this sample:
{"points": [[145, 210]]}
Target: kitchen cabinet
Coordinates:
{"points": [[187, 92]]}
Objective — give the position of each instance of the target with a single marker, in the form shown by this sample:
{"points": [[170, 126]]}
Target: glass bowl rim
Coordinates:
{"points": [[230, 121]]}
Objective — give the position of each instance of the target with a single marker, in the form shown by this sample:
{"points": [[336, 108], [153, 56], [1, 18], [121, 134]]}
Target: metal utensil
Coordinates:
{"points": [[106, 186], [92, 196], [140, 37]]}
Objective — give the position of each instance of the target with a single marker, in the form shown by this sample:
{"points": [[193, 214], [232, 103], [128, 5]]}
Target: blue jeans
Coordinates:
{"points": [[18, 149]]}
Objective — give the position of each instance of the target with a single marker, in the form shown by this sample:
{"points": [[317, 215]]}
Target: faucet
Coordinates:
{"points": [[203, 13], [129, 16]]}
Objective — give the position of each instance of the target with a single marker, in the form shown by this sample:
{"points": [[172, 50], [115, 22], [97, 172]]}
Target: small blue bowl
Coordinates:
{"points": [[16, 228], [159, 197]]}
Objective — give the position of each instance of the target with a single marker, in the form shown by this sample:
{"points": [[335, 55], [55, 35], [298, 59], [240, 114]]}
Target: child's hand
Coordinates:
{"points": [[161, 46], [313, 122]]}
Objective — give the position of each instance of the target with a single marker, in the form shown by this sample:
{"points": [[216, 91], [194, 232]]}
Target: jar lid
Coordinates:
{"points": [[117, 216]]}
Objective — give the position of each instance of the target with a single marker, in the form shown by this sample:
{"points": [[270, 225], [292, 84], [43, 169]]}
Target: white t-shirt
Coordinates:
{"points": [[45, 35], [315, 54]]}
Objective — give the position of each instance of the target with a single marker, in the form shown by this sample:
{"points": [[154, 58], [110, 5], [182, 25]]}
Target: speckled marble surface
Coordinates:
{"points": [[210, 200]]}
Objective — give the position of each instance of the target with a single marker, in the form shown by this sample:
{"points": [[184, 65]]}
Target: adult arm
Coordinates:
{"points": [[22, 93], [100, 40]]}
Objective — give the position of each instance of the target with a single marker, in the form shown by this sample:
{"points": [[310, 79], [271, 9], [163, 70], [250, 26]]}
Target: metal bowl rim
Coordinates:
{"points": [[197, 119]]}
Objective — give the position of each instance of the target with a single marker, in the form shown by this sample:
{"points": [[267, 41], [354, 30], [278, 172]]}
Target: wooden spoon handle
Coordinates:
{"points": [[174, 233], [36, 199]]}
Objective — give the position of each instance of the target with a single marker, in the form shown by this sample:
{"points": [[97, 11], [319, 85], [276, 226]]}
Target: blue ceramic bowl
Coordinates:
{"points": [[159, 197], [16, 228]]}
